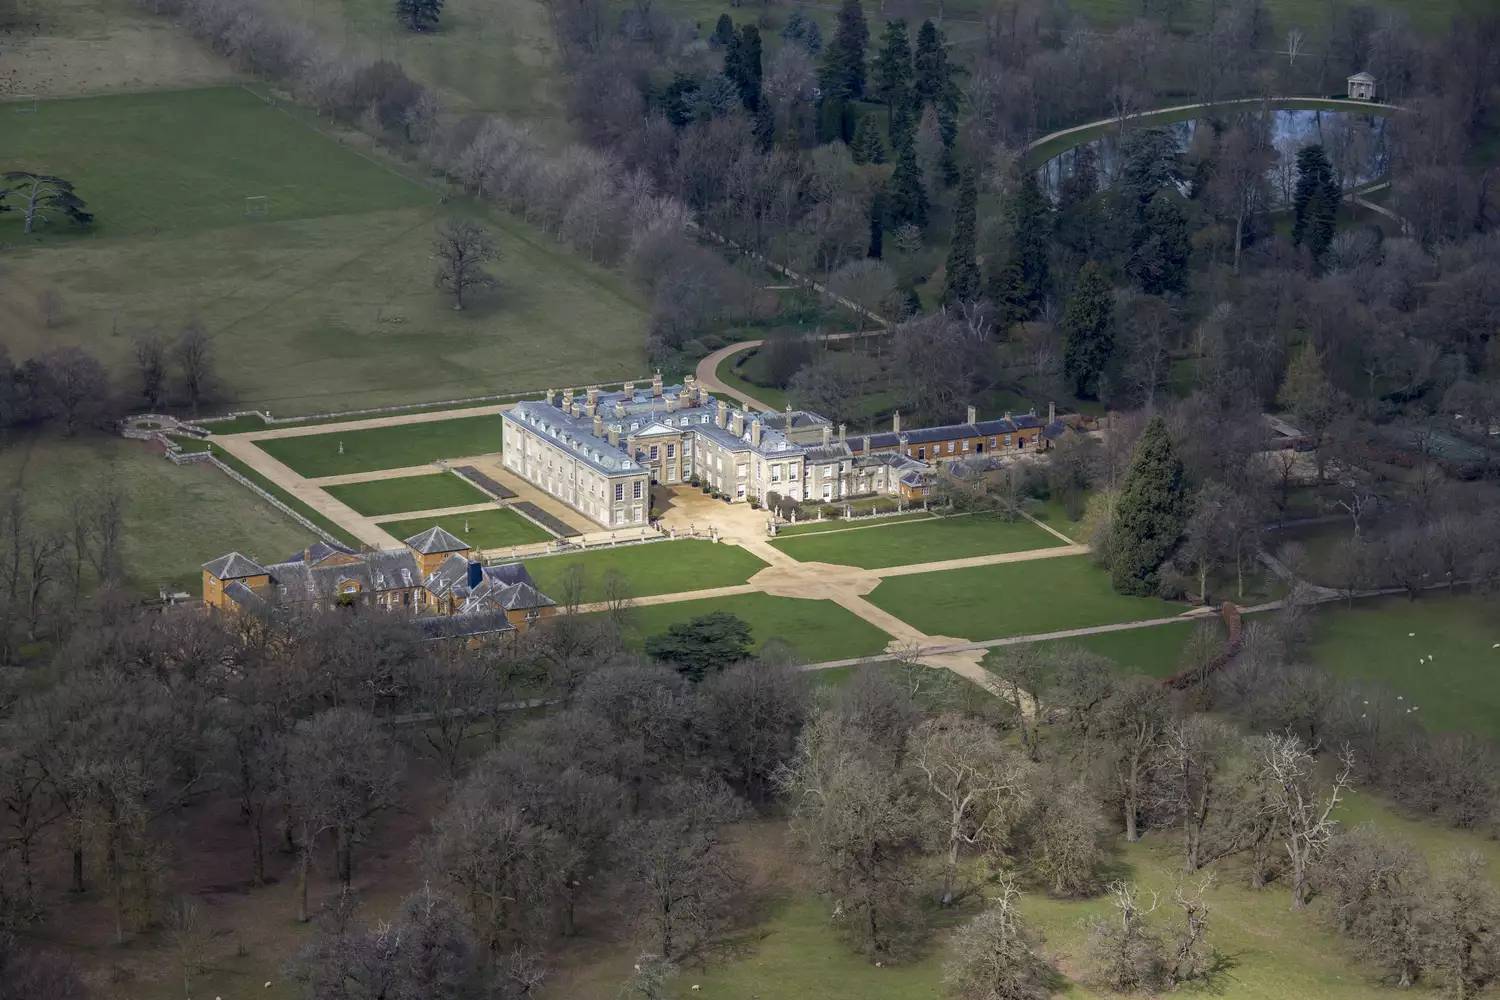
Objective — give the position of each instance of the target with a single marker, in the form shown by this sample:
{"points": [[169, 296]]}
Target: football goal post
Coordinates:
{"points": [[257, 207], [25, 104]]}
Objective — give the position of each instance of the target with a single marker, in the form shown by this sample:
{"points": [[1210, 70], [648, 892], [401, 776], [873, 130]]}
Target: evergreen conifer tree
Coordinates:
{"points": [[1029, 213], [867, 146], [764, 127], [1150, 514], [795, 28], [962, 283], [893, 71], [419, 15], [1159, 261], [723, 32], [932, 72], [746, 69], [842, 74], [1315, 203], [906, 198], [1088, 326], [812, 38], [913, 303], [1008, 295]]}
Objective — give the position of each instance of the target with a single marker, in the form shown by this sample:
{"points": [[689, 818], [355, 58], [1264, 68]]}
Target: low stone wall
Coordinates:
{"points": [[268, 497], [1185, 679]]}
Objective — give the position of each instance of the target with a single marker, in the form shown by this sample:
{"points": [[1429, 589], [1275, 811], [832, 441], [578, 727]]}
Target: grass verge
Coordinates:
{"points": [[395, 447], [931, 540], [653, 568], [286, 498], [486, 529], [395, 496], [993, 602], [816, 630]]}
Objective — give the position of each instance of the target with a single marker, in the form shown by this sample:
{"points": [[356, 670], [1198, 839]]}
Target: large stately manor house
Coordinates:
{"points": [[599, 452]]}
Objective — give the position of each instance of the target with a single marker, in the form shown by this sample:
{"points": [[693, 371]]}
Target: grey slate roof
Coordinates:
{"points": [[829, 453], [233, 567], [464, 626], [318, 551], [573, 435], [509, 573], [453, 570], [435, 540], [246, 598], [947, 432], [388, 569]]}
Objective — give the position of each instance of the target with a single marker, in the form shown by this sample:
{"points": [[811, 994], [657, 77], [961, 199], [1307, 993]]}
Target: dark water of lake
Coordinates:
{"points": [[1355, 142]]}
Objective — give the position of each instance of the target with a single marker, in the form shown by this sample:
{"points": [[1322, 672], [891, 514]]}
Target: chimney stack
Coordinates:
{"points": [[703, 396], [1007, 416], [598, 426], [629, 391], [689, 383], [614, 437], [1051, 413], [972, 414], [827, 435], [755, 432], [896, 423], [719, 412], [550, 393], [737, 424], [841, 434], [593, 392], [656, 384]]}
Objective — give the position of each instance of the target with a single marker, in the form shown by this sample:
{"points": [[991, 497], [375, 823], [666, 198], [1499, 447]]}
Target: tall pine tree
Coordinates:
{"points": [[933, 83], [867, 146], [1150, 514], [962, 284], [1159, 260], [893, 72], [1088, 326], [1029, 213], [723, 35], [1315, 203], [842, 74], [877, 226], [905, 197], [742, 64]]}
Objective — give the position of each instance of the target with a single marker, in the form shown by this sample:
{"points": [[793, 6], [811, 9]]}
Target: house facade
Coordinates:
{"points": [[434, 578], [600, 452], [1361, 87]]}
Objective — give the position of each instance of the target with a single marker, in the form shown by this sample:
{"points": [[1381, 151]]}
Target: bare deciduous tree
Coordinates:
{"points": [[463, 247], [994, 957], [194, 355], [1304, 815], [979, 786], [151, 366]]}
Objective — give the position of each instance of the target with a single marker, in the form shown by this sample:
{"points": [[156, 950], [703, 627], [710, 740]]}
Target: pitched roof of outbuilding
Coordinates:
{"points": [[233, 567], [435, 540], [1361, 77]]}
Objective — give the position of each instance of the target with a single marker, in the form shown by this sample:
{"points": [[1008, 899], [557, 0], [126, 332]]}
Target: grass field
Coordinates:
{"points": [[486, 529], [325, 304], [992, 602], [1154, 651], [393, 447], [928, 541], [1458, 688], [112, 148], [176, 519], [816, 630], [657, 568], [394, 496], [486, 55]]}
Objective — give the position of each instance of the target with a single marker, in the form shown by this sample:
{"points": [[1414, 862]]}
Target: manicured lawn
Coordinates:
{"points": [[729, 374], [817, 630], [1154, 651], [654, 568], [487, 529], [187, 160], [1457, 688], [394, 447], [176, 517], [834, 524], [991, 602], [928, 541], [393, 496]]}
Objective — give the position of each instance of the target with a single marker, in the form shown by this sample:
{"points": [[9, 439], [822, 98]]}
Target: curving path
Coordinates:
{"points": [[1120, 119]]}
